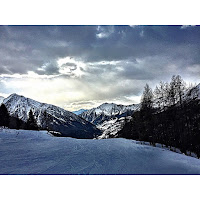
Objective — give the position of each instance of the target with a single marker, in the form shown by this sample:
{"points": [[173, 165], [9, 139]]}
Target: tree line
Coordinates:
{"points": [[14, 122], [167, 116]]}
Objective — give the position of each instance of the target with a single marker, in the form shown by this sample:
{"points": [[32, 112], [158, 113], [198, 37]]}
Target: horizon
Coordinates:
{"points": [[81, 67], [63, 108]]}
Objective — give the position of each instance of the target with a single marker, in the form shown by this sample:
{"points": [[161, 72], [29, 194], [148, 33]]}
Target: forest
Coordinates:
{"points": [[169, 115]]}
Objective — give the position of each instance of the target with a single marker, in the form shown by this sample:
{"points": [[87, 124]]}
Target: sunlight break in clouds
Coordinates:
{"points": [[83, 66]]}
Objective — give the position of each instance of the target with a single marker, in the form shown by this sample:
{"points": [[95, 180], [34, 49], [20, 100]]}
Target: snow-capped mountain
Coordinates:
{"points": [[109, 117], [57, 118], [107, 111], [193, 93], [78, 112], [1, 99]]}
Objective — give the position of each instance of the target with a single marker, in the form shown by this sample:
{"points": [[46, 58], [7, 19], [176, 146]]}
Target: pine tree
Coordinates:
{"points": [[4, 116], [47, 118], [31, 122]]}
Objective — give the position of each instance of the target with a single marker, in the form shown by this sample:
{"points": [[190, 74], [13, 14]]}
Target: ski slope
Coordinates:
{"points": [[36, 152]]}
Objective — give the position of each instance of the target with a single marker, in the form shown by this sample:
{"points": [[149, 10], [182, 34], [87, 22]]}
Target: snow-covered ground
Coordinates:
{"points": [[36, 152]]}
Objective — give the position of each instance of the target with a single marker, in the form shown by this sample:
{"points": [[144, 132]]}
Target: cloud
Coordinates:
{"points": [[104, 31], [186, 26], [72, 65]]}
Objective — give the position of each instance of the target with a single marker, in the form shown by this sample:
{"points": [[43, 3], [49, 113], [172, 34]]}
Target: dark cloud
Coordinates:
{"points": [[26, 48], [115, 60]]}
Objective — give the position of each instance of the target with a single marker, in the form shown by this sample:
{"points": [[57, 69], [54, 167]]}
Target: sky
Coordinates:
{"points": [[78, 67]]}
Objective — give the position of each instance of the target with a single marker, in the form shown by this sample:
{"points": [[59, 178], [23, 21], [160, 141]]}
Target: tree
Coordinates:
{"points": [[147, 98], [172, 91], [4, 116], [176, 90], [160, 93], [31, 122], [47, 118], [180, 87]]}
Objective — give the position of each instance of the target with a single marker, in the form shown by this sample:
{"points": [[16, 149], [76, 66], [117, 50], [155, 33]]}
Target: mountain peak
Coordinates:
{"points": [[47, 115], [107, 111]]}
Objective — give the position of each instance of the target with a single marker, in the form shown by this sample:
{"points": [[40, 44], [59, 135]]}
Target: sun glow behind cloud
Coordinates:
{"points": [[83, 66]]}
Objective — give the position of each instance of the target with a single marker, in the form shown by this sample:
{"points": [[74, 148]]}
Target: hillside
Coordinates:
{"points": [[53, 117]]}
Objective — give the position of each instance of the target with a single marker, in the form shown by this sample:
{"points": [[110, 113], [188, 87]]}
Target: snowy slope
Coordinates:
{"points": [[112, 126], [193, 93], [109, 117], [78, 112], [33, 152], [58, 119]]}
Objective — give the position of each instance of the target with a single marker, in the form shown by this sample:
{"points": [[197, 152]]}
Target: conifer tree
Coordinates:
{"points": [[4, 116], [31, 122]]}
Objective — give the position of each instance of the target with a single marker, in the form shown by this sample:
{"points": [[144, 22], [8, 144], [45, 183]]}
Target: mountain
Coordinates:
{"points": [[109, 117], [107, 111], [111, 127], [78, 112], [53, 117], [1, 99], [193, 93]]}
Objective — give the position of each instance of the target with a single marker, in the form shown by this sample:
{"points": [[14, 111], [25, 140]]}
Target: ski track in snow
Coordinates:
{"points": [[36, 152]]}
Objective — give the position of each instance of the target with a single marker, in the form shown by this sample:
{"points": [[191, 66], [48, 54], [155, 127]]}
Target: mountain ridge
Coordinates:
{"points": [[110, 117], [54, 117]]}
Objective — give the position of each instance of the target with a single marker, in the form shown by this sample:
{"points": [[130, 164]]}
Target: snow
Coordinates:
{"points": [[193, 93], [109, 117], [63, 121], [36, 152], [78, 112], [1, 99], [20, 106], [108, 109], [111, 127]]}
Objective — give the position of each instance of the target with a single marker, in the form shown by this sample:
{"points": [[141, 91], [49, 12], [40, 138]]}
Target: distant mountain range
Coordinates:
{"points": [[107, 111], [109, 117], [57, 119], [78, 112]]}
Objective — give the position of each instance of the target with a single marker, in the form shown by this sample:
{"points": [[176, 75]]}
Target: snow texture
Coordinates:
{"points": [[36, 152], [111, 127]]}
